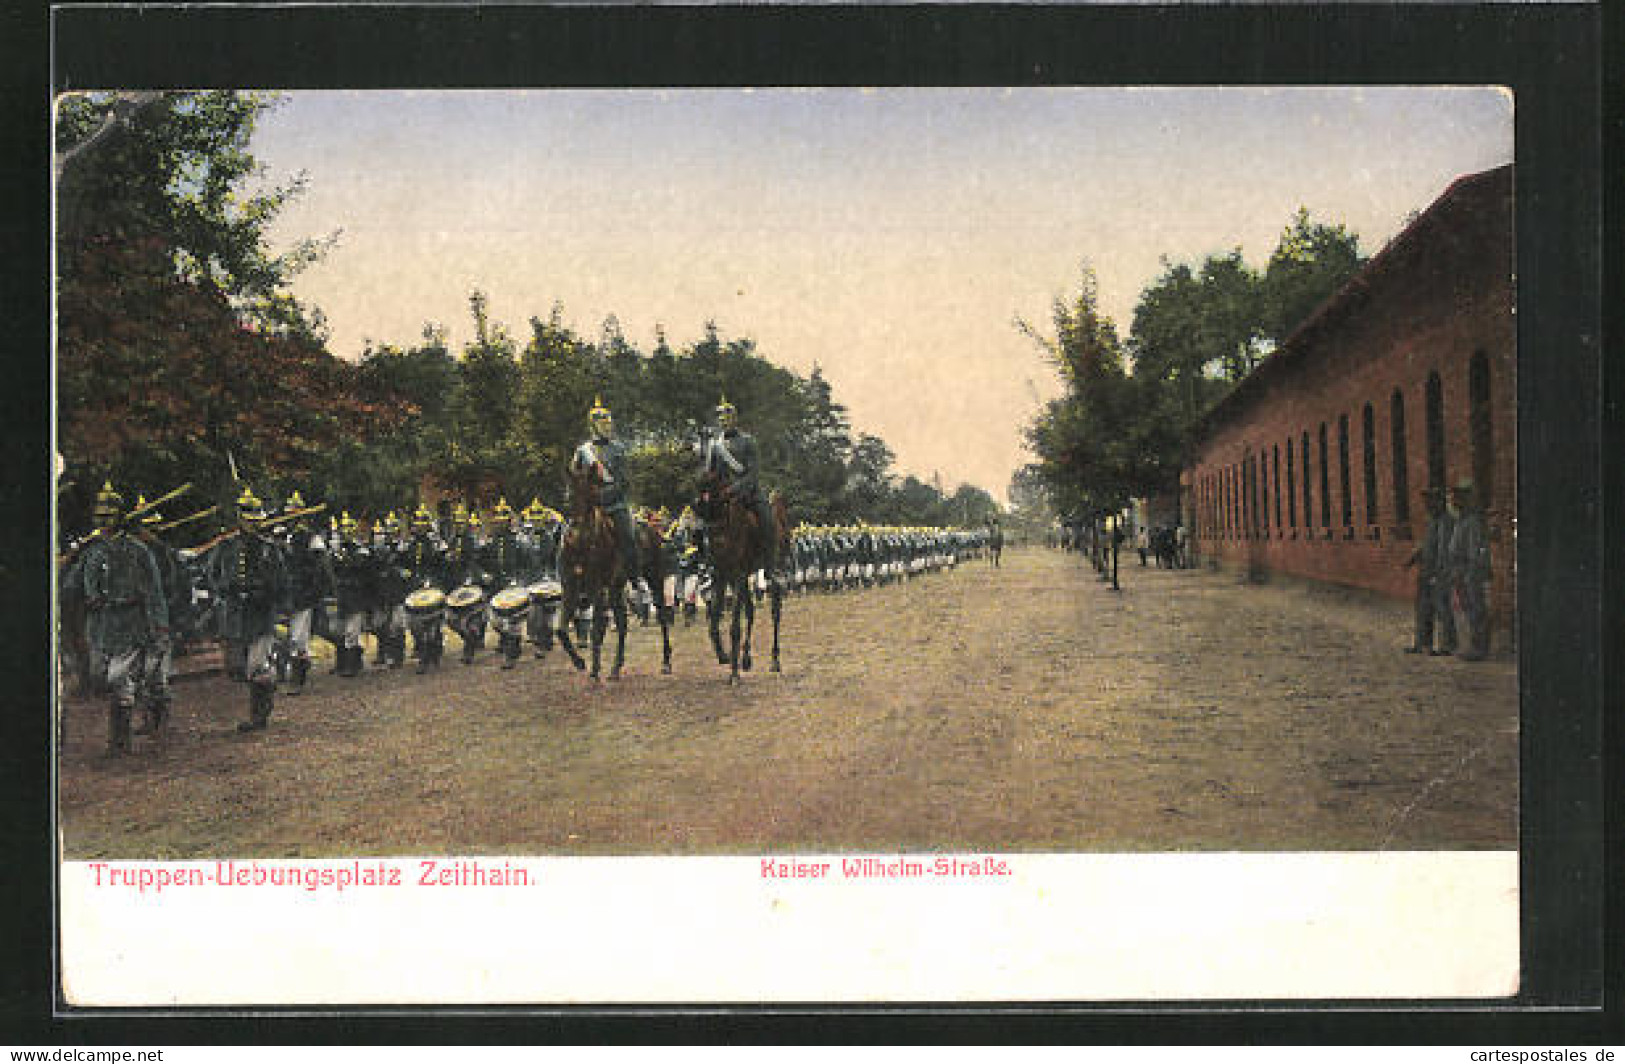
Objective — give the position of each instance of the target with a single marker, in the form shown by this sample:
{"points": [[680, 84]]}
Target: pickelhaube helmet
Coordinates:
{"points": [[422, 519], [109, 504], [599, 418], [295, 501], [347, 524], [727, 415], [459, 514], [392, 522], [503, 514], [249, 507]]}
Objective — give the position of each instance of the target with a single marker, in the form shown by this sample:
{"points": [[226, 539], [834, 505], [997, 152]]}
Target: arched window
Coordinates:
{"points": [[1402, 490], [1368, 448], [1275, 467], [1435, 429], [1325, 481], [1308, 495], [1291, 489], [1481, 428], [1346, 496], [1264, 491]]}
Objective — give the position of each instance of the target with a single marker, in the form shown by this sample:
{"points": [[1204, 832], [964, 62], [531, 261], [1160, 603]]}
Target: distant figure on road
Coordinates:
{"points": [[1470, 569], [1433, 583]]}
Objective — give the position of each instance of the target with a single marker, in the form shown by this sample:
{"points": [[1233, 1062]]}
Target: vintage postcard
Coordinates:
{"points": [[775, 545]]}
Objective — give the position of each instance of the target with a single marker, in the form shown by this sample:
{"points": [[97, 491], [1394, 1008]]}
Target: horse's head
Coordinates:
{"points": [[585, 494]]}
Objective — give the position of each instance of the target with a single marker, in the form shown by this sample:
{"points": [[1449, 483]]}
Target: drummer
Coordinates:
{"points": [[467, 600], [542, 525], [424, 559], [504, 561], [392, 582]]}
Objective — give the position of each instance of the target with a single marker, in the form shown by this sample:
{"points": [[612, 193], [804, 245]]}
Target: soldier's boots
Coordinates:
{"points": [[397, 649], [510, 645], [261, 698], [298, 673], [350, 660], [118, 728], [154, 715]]}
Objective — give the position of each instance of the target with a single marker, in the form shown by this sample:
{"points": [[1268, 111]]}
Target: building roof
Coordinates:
{"points": [[1472, 194]]}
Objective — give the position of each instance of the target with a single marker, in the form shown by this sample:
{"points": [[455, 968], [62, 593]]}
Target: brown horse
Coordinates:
{"points": [[738, 547], [591, 571]]}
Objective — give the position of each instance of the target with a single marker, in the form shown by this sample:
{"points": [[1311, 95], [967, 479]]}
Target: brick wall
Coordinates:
{"points": [[1433, 313]]}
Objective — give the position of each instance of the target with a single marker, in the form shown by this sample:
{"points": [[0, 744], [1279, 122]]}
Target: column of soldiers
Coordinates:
{"points": [[276, 578]]}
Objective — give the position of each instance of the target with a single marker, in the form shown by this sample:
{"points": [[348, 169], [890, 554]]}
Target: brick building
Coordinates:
{"points": [[1316, 463]]}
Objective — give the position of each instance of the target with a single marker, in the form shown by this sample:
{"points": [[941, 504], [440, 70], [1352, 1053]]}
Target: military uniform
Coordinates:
{"points": [[310, 584], [1433, 585], [506, 559], [731, 458], [355, 580], [1469, 571], [424, 558], [464, 560], [154, 696], [248, 574], [126, 613]]}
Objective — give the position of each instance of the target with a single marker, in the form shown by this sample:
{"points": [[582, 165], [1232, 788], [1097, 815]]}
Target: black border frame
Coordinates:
{"points": [[1549, 54]]}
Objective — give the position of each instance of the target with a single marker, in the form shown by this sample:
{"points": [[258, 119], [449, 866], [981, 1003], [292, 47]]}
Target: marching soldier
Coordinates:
{"points": [[154, 696], [424, 558], [355, 580], [542, 528], [392, 582], [127, 614], [506, 559], [310, 579], [467, 596], [249, 575]]}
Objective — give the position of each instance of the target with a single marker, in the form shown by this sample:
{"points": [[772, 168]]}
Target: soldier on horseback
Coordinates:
{"points": [[604, 457], [732, 464]]}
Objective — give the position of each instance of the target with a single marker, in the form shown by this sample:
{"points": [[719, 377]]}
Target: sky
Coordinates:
{"points": [[890, 236]]}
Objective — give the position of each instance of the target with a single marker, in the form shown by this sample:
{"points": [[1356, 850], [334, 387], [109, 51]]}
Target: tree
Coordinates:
{"points": [[1311, 261], [180, 350]]}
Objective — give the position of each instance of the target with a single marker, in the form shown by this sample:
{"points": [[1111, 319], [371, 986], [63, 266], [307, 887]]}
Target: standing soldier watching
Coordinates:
{"points": [[248, 574], [1470, 569], [127, 614], [1433, 584]]}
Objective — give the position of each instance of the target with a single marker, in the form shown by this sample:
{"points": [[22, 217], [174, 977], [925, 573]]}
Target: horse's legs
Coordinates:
{"points": [[741, 596], [714, 610], [600, 624], [750, 626], [666, 618], [777, 591], [618, 600], [568, 605]]}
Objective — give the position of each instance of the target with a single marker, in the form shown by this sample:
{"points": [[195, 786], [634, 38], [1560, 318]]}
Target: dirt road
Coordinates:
{"points": [[1020, 708]]}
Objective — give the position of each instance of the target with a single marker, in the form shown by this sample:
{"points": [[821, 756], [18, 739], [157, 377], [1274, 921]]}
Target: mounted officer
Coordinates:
{"points": [[729, 459], [128, 618], [605, 458], [248, 573]]}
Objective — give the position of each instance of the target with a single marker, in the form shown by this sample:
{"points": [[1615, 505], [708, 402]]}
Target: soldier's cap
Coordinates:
{"points": [[599, 411]]}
